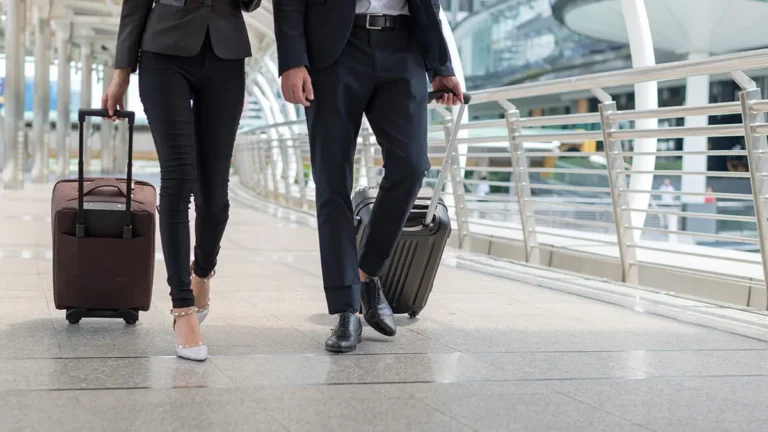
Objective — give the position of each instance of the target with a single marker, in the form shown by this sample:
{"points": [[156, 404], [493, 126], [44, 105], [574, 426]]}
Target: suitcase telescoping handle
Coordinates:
{"points": [[433, 95], [130, 116]]}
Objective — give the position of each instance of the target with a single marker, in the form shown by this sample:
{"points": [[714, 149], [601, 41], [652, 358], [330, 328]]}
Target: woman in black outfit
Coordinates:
{"points": [[190, 57]]}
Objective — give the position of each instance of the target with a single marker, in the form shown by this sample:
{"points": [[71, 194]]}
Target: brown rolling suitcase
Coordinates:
{"points": [[103, 240]]}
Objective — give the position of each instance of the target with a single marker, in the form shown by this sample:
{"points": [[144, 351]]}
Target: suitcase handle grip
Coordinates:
{"points": [[103, 113], [436, 94], [82, 114]]}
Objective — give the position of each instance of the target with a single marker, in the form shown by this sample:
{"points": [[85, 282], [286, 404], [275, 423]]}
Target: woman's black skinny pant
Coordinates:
{"points": [[193, 105]]}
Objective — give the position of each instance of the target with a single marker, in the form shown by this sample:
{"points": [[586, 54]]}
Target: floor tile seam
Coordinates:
{"points": [[438, 342], [253, 399], [551, 284], [722, 395], [363, 354], [417, 398], [594, 406], [59, 342], [540, 381]]}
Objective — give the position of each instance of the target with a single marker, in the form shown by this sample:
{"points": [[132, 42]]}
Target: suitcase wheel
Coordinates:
{"points": [[413, 313], [73, 320]]}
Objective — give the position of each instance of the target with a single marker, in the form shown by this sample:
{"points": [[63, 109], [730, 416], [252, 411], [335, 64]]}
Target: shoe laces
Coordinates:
{"points": [[344, 320], [378, 289]]}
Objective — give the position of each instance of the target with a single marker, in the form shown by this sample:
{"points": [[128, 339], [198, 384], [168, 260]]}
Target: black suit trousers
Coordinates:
{"points": [[193, 105], [380, 73]]}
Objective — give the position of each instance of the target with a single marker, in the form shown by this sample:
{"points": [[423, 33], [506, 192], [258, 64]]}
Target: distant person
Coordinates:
{"points": [[709, 199], [483, 188], [667, 187]]}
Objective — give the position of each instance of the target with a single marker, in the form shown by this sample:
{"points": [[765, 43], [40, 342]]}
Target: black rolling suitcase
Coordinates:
{"points": [[410, 272]]}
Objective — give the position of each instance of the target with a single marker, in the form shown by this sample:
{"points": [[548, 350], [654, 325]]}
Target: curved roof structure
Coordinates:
{"points": [[679, 26], [519, 40], [97, 21]]}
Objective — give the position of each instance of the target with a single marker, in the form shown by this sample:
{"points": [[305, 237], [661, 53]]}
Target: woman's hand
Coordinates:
{"points": [[114, 98]]}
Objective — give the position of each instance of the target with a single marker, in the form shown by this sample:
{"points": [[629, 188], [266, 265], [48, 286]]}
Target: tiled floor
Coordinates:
{"points": [[487, 355]]}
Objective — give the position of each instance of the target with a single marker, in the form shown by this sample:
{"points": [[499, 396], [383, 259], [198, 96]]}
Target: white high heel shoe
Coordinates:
{"points": [[195, 352], [202, 313]]}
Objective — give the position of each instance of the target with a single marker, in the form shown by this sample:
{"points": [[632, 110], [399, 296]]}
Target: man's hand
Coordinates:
{"points": [[297, 86], [448, 83], [114, 97]]}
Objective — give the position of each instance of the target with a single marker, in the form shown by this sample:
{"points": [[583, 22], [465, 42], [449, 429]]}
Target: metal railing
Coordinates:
{"points": [[500, 190]]}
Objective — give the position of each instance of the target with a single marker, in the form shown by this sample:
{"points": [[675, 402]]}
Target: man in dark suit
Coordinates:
{"points": [[341, 59]]}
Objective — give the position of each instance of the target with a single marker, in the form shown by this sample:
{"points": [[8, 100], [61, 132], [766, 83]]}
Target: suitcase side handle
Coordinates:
{"points": [[105, 183], [450, 148], [82, 114]]}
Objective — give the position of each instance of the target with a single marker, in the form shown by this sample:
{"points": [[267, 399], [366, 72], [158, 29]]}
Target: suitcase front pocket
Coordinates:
{"points": [[102, 273]]}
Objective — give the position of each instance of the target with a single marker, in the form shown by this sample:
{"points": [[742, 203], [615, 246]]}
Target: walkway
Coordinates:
{"points": [[488, 354]]}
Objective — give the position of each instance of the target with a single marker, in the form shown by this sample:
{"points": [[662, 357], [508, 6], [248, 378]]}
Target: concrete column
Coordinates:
{"points": [[646, 98], [86, 66], [63, 124], [696, 93], [13, 169], [42, 102], [107, 144]]}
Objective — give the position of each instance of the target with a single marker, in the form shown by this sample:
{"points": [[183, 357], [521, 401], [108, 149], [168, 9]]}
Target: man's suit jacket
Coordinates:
{"points": [[312, 33], [180, 30]]}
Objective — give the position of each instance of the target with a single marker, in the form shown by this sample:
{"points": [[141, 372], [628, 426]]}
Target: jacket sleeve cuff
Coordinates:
{"points": [[286, 64], [446, 70]]}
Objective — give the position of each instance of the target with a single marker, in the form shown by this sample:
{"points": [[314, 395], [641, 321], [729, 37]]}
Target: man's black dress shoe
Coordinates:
{"points": [[376, 311], [346, 335]]}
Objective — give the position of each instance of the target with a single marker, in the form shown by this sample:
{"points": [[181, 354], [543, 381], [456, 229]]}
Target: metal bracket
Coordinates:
{"points": [[757, 157], [745, 82], [601, 95], [617, 180], [522, 183], [457, 183]]}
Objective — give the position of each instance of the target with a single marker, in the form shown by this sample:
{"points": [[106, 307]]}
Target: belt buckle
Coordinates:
{"points": [[368, 22]]}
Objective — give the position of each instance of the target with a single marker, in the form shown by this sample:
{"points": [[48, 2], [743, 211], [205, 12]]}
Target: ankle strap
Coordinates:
{"points": [[191, 311], [203, 279]]}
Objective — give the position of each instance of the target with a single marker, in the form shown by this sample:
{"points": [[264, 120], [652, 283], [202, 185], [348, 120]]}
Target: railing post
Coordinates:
{"points": [[300, 178], [757, 157], [617, 180], [457, 184], [522, 188], [282, 142], [273, 159]]}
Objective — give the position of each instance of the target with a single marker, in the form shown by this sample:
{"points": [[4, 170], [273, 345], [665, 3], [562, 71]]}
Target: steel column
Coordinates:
{"points": [[86, 81], [63, 123], [13, 169], [42, 102], [106, 141], [646, 98]]}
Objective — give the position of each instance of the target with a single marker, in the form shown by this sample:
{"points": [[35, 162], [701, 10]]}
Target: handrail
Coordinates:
{"points": [[748, 60], [575, 203]]}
